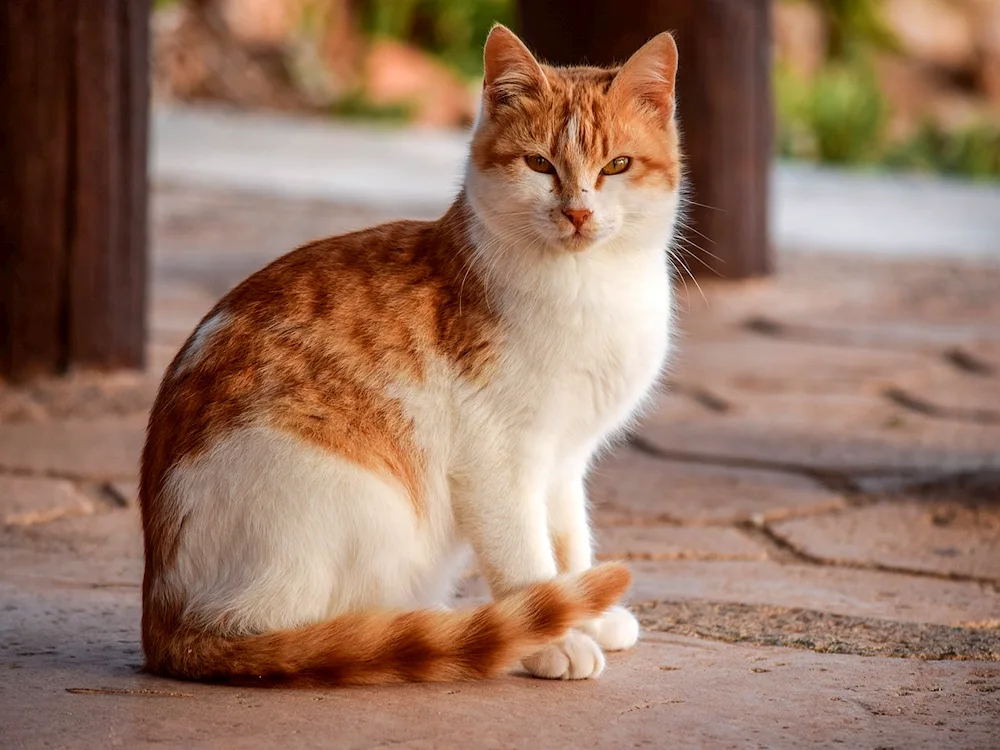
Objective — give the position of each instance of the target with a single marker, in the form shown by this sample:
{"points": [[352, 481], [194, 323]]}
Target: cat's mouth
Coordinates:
{"points": [[578, 241]]}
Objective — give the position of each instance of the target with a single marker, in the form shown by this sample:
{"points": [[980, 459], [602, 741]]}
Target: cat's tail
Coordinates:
{"points": [[383, 647]]}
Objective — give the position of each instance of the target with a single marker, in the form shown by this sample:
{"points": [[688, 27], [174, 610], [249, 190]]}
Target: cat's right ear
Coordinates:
{"points": [[510, 70]]}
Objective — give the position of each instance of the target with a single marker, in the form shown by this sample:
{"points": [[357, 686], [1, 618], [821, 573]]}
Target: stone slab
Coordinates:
{"points": [[661, 542], [633, 487], [125, 492], [18, 405], [742, 362], [948, 299], [838, 590], [932, 537], [76, 653], [98, 449], [25, 501], [159, 355], [93, 395], [822, 632], [110, 535], [969, 398], [839, 447]]}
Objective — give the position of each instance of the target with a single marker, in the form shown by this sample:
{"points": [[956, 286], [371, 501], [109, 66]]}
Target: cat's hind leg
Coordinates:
{"points": [[278, 533]]}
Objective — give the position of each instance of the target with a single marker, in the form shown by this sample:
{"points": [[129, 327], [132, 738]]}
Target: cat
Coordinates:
{"points": [[346, 424]]}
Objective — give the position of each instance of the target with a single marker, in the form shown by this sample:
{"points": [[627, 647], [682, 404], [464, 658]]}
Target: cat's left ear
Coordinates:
{"points": [[649, 75], [510, 70]]}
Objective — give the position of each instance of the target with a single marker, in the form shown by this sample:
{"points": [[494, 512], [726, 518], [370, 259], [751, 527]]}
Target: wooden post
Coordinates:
{"points": [[724, 104], [73, 142]]}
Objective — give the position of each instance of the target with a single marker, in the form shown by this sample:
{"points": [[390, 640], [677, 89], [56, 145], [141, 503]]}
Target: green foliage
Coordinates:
{"points": [[973, 151], [838, 117], [856, 27], [356, 105], [452, 29]]}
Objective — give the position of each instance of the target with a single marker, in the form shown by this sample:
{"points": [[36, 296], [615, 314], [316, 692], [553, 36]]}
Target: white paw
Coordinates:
{"points": [[615, 630], [575, 657]]}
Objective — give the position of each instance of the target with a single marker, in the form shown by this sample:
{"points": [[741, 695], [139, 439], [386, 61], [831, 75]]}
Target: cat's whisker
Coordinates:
{"points": [[687, 268], [680, 276], [704, 205], [697, 257], [690, 228]]}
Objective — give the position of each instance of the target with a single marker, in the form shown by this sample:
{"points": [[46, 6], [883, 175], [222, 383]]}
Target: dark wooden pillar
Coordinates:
{"points": [[73, 143], [724, 102]]}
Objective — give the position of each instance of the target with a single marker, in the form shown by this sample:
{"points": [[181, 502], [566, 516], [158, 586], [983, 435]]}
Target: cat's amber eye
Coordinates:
{"points": [[540, 164], [617, 165]]}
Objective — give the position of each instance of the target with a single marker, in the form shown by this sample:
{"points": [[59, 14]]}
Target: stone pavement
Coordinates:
{"points": [[812, 512]]}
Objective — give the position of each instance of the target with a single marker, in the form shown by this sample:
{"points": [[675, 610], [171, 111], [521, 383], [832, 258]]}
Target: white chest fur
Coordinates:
{"points": [[583, 353]]}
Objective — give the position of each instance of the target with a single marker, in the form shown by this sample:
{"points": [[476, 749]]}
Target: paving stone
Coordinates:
{"points": [[32, 559], [76, 652], [126, 492], [757, 364], [81, 395], [986, 351], [968, 398], [632, 487], [838, 415], [893, 446], [671, 405], [159, 355], [95, 395], [176, 309], [837, 590], [902, 418], [942, 538], [97, 449], [25, 501], [660, 542], [830, 290], [18, 405], [795, 627], [114, 534]]}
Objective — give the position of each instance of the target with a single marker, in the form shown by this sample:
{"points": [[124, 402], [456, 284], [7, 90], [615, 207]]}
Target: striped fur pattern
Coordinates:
{"points": [[420, 646], [352, 424]]}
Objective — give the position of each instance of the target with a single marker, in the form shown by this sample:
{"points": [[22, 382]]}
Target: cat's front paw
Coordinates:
{"points": [[615, 630], [575, 657]]}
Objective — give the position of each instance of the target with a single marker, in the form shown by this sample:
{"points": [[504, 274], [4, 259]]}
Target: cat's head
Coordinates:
{"points": [[565, 159]]}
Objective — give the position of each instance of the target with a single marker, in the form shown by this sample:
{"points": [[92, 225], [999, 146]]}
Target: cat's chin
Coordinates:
{"points": [[576, 243]]}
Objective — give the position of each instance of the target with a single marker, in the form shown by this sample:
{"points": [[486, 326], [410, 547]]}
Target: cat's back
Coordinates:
{"points": [[369, 291], [312, 343]]}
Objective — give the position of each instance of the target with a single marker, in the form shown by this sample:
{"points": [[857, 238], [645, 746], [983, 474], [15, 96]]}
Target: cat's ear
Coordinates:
{"points": [[649, 75], [510, 70]]}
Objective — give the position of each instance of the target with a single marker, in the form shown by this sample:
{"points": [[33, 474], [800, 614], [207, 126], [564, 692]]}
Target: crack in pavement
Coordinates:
{"points": [[144, 692], [918, 405]]}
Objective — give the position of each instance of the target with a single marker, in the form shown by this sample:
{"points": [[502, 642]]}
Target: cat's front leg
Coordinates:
{"points": [[502, 510], [572, 544]]}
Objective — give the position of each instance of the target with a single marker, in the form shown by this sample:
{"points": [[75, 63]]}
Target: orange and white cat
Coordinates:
{"points": [[349, 421]]}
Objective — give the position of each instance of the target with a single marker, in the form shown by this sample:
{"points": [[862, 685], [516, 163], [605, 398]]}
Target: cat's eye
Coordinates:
{"points": [[540, 164], [617, 165]]}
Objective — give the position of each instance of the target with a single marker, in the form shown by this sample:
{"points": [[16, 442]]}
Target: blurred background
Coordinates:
{"points": [[876, 84], [817, 485]]}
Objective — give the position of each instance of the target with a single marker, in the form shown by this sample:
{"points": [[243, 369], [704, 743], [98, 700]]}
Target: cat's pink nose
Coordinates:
{"points": [[577, 216]]}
